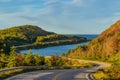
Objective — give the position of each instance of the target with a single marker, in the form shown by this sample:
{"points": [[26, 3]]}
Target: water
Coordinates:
{"points": [[59, 49]]}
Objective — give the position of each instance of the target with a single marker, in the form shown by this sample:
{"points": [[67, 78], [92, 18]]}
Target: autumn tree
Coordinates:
{"points": [[55, 60]]}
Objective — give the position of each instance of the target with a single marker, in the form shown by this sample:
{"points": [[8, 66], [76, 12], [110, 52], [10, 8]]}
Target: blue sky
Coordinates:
{"points": [[61, 16]]}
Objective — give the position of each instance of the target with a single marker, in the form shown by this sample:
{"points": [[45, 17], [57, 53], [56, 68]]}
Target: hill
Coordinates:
{"points": [[20, 35], [106, 47], [24, 34], [108, 42], [33, 37], [102, 47]]}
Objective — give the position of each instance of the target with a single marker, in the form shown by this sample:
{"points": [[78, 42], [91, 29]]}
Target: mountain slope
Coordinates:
{"points": [[103, 47], [108, 42]]}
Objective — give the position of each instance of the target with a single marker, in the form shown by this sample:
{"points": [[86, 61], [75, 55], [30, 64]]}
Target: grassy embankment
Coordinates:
{"points": [[68, 64]]}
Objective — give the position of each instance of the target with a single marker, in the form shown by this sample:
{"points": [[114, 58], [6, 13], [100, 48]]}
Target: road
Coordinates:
{"points": [[79, 74]]}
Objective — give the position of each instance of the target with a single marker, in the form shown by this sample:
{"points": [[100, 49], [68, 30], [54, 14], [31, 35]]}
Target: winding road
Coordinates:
{"points": [[78, 74]]}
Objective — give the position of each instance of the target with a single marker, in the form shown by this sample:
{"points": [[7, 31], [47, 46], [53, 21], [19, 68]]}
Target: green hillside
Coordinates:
{"points": [[19, 35], [23, 34]]}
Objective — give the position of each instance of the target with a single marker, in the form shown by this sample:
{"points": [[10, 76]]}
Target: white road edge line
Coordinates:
{"points": [[89, 76]]}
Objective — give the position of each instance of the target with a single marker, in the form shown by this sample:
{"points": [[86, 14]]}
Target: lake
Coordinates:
{"points": [[59, 49]]}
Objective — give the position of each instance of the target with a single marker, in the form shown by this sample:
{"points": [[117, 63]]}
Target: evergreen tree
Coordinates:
{"points": [[29, 59], [68, 52], [3, 60], [42, 59], [37, 59], [63, 54], [12, 58]]}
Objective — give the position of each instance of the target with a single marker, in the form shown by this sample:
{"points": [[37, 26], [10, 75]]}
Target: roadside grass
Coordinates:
{"points": [[101, 75], [69, 64], [7, 74], [77, 63], [10, 73]]}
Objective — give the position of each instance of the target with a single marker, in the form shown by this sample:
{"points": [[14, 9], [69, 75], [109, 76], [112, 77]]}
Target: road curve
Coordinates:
{"points": [[79, 74]]}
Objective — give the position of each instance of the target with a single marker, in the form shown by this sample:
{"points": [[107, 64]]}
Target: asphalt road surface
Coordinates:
{"points": [[78, 74]]}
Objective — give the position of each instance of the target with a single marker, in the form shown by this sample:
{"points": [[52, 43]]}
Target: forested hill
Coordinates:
{"points": [[20, 35], [25, 33], [107, 47], [103, 47], [108, 43], [30, 34]]}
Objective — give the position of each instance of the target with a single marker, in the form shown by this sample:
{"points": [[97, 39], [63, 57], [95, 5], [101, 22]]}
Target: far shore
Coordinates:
{"points": [[33, 46]]}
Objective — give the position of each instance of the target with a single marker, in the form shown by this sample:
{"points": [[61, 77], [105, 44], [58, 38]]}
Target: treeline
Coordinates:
{"points": [[53, 40], [106, 47], [29, 59], [56, 37]]}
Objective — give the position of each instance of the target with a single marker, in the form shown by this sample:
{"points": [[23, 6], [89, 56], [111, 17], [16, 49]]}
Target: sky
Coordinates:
{"points": [[61, 16]]}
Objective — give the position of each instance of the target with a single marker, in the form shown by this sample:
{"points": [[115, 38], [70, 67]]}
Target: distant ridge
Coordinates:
{"points": [[24, 33]]}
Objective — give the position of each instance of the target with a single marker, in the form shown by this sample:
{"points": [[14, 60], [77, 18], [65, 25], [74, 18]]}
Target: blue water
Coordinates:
{"points": [[59, 49]]}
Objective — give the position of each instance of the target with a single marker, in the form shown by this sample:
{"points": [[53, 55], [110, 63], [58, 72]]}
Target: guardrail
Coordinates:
{"points": [[22, 67], [38, 67], [9, 69]]}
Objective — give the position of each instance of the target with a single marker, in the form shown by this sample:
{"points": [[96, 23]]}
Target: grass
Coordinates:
{"points": [[69, 64], [77, 63], [15, 72], [19, 71], [101, 75], [10, 73]]}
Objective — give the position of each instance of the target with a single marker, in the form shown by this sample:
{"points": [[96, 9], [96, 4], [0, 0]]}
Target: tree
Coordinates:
{"points": [[39, 60], [42, 58], [12, 58], [3, 60], [68, 52], [63, 54], [20, 59], [29, 59], [55, 60]]}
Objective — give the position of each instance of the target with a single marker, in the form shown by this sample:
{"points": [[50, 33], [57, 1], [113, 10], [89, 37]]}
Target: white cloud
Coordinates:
{"points": [[51, 2], [77, 2]]}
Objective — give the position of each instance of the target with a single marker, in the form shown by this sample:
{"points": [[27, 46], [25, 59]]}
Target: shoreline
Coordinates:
{"points": [[33, 46]]}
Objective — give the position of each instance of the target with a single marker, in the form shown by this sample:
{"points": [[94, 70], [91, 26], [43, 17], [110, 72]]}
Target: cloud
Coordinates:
{"points": [[61, 16], [77, 2], [51, 2]]}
